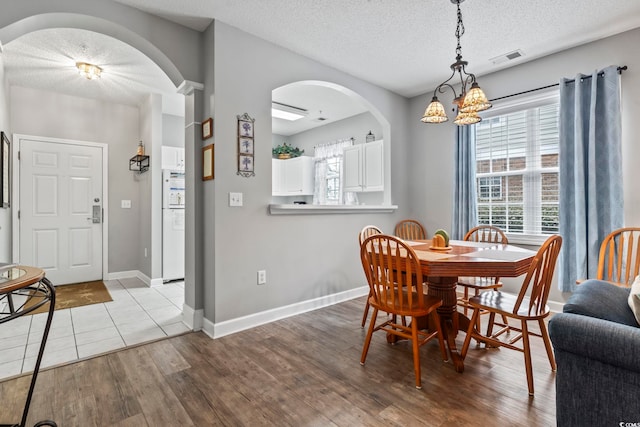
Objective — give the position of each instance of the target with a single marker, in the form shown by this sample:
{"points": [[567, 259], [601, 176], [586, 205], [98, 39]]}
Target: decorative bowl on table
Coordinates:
{"points": [[440, 241]]}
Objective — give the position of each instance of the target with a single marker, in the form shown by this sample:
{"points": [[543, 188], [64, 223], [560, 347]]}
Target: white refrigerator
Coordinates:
{"points": [[172, 225]]}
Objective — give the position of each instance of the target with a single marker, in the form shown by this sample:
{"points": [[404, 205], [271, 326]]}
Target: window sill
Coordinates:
{"points": [[328, 209], [527, 239]]}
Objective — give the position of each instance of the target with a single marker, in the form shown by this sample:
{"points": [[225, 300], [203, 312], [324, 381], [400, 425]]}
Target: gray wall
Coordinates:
{"points": [[432, 145], [155, 187], [173, 130], [5, 214], [357, 127], [50, 114], [145, 182], [305, 256]]}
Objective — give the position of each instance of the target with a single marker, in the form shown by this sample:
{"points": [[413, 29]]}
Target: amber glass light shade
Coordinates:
{"points": [[435, 112], [466, 119], [475, 100]]}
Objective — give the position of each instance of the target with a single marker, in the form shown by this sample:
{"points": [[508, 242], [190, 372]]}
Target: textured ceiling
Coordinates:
{"points": [[46, 60], [405, 46], [324, 105]]}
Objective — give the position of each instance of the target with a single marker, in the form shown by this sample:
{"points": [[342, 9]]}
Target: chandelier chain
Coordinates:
{"points": [[469, 103], [459, 31]]}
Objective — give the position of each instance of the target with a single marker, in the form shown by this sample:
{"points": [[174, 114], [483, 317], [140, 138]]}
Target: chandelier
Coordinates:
{"points": [[469, 103], [90, 71]]}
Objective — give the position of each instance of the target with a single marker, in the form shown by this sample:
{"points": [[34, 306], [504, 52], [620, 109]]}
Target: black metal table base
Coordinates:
{"points": [[38, 424], [44, 290]]}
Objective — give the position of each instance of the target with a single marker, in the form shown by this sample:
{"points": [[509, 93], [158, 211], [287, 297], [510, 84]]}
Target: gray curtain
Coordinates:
{"points": [[465, 215], [591, 195]]}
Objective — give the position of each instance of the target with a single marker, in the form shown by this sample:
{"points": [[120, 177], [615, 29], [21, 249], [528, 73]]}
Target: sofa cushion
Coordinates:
{"points": [[634, 298], [603, 300]]}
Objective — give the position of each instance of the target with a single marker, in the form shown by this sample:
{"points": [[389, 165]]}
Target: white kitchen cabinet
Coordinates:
{"points": [[172, 157], [292, 177], [363, 167]]}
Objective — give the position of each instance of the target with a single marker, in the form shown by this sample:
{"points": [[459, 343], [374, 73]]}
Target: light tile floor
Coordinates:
{"points": [[136, 314]]}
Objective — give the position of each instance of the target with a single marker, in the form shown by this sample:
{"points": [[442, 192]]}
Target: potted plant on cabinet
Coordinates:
{"points": [[285, 151]]}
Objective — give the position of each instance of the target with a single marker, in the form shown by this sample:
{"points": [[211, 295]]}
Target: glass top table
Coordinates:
{"points": [[24, 289]]}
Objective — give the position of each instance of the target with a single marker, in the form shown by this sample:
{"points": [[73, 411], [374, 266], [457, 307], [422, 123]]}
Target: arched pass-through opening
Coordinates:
{"points": [[326, 112]]}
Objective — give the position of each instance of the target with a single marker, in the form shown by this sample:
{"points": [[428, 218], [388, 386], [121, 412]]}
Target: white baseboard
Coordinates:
{"points": [[146, 279], [154, 283], [122, 275], [135, 273], [192, 318], [195, 320], [208, 327], [217, 330]]}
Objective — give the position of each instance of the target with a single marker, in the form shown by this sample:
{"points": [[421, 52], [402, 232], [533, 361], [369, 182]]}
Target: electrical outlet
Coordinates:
{"points": [[145, 252], [262, 277], [235, 199]]}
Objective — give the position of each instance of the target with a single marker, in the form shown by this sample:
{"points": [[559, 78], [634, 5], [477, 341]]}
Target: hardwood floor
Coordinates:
{"points": [[303, 370]]}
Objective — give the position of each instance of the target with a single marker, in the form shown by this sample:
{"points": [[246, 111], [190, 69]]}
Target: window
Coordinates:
{"points": [[517, 167], [328, 174], [490, 188], [334, 166]]}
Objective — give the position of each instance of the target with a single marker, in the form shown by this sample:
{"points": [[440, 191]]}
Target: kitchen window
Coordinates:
{"points": [[329, 181], [333, 187], [517, 167]]}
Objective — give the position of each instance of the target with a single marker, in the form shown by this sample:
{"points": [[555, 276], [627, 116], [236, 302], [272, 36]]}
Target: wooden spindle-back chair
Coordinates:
{"points": [[399, 295]]}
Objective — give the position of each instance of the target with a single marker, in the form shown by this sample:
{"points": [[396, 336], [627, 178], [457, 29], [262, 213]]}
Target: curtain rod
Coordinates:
{"points": [[620, 70], [337, 141]]}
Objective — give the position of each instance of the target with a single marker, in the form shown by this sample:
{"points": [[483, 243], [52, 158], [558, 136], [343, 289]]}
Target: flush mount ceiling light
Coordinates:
{"points": [[287, 112], [90, 71], [469, 103]]}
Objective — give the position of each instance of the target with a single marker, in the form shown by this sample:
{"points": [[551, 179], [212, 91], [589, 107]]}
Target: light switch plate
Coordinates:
{"points": [[235, 199], [125, 204], [262, 277]]}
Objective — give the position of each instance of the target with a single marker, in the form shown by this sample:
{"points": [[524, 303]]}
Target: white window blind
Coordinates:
{"points": [[517, 168]]}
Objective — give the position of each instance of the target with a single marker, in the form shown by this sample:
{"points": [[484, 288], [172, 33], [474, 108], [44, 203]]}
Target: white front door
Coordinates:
{"points": [[61, 209]]}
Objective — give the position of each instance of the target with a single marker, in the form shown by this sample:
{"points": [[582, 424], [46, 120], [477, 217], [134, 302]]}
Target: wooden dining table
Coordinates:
{"points": [[442, 267]]}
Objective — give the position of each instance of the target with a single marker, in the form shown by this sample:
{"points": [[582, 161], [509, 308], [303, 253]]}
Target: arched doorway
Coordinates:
{"points": [[104, 125]]}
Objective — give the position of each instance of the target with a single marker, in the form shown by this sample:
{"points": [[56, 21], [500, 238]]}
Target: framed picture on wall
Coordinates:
{"points": [[246, 147], [245, 128], [207, 128], [207, 162], [5, 161], [245, 163]]}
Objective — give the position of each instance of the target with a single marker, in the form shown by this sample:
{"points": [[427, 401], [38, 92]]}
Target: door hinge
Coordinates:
{"points": [[18, 214], [18, 155]]}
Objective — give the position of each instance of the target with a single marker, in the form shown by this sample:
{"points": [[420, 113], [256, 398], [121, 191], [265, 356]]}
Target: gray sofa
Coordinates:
{"points": [[597, 347]]}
